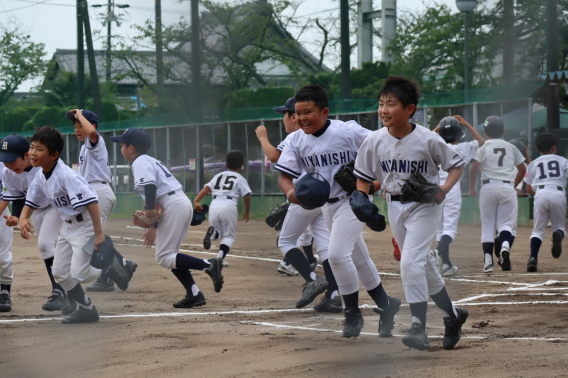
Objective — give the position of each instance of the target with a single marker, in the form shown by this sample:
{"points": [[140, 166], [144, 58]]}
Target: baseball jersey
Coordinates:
{"points": [[391, 160], [323, 154], [1, 185], [149, 171], [466, 151], [17, 185], [547, 169], [283, 144], [497, 158], [93, 161], [65, 188], [229, 184]]}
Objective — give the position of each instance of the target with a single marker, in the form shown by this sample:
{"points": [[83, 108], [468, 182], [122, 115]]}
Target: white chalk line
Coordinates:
{"points": [[469, 299]]}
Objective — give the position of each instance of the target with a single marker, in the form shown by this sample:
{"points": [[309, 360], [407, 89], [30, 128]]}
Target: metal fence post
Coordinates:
{"points": [[168, 149], [154, 139], [183, 152], [280, 129], [262, 178], [67, 150], [197, 165], [475, 110], [228, 137], [530, 125], [425, 117], [247, 149], [114, 163]]}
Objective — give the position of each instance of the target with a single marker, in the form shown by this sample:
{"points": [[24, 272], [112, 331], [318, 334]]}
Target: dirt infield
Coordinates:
{"points": [[518, 322]]}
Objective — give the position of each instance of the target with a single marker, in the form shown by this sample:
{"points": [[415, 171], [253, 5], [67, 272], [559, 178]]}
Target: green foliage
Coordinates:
{"points": [[257, 98], [13, 120], [61, 89], [48, 116], [367, 81]]}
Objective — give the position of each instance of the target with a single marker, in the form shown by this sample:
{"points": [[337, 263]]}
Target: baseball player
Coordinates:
{"points": [[76, 203], [6, 275], [451, 131], [390, 155], [323, 147], [93, 166], [155, 183], [17, 177], [226, 188], [546, 175], [498, 205]]}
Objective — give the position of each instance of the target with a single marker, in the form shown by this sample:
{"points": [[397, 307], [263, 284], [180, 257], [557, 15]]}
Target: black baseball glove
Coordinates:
{"points": [[417, 189], [366, 211], [276, 216], [347, 180]]}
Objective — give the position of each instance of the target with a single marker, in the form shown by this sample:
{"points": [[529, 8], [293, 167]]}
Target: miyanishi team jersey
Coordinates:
{"points": [[467, 152], [547, 170], [391, 160], [497, 159], [93, 161], [229, 184], [17, 185], [281, 147], [149, 171], [323, 154], [65, 189]]}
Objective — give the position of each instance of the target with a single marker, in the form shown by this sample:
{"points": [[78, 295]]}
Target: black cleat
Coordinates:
{"points": [[121, 274], [531, 265], [5, 302], [207, 238], [101, 285], [505, 259], [334, 305], [191, 301], [353, 322], [453, 328], [556, 244], [56, 302], [70, 308], [311, 291], [82, 315], [417, 338], [386, 324], [214, 271], [497, 246]]}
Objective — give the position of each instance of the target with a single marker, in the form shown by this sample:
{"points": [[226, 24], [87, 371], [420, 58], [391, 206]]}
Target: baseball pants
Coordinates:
{"points": [[348, 254], [223, 217], [297, 221], [47, 224], [498, 207], [306, 238], [177, 213], [450, 213], [412, 225], [6, 234], [107, 200], [549, 204]]}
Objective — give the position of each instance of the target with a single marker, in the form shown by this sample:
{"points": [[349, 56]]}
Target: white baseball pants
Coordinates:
{"points": [[223, 217], [498, 207], [450, 213], [177, 213], [306, 238], [47, 224], [6, 234], [549, 204], [297, 221], [107, 200]]}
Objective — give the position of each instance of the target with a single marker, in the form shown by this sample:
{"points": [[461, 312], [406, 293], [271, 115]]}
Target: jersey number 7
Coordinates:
{"points": [[501, 151], [228, 185]]}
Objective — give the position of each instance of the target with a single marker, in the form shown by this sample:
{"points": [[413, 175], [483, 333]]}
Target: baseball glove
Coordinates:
{"points": [[347, 180], [366, 211], [276, 216], [417, 189], [198, 218], [141, 220]]}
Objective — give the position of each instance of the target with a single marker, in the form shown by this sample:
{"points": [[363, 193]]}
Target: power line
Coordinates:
{"points": [[33, 3], [26, 6]]}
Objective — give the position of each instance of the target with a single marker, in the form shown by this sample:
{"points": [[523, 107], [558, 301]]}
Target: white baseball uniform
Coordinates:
{"points": [[226, 188], [452, 204], [45, 218], [93, 166], [69, 194], [497, 197], [325, 154], [547, 176], [391, 160], [6, 275], [177, 210]]}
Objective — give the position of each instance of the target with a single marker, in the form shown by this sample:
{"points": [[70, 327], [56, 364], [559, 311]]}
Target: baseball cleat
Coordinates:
{"points": [[450, 270], [224, 263], [488, 268], [531, 264], [505, 259], [70, 308], [396, 252], [497, 246], [101, 285], [207, 238], [453, 328], [287, 269], [56, 302], [556, 244], [417, 338], [353, 322], [120, 274], [5, 302], [82, 315], [437, 258], [191, 301], [311, 291], [214, 271], [333, 305], [386, 323]]}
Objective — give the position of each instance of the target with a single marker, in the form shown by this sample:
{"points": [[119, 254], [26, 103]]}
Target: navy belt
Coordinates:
{"points": [[78, 218], [400, 198], [171, 193], [557, 188], [227, 197], [488, 181], [102, 182]]}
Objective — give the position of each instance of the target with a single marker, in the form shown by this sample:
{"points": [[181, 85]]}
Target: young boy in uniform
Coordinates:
{"points": [[323, 147], [225, 188], [451, 131], [547, 176], [390, 155], [498, 204], [155, 183], [17, 177], [6, 275], [76, 203]]}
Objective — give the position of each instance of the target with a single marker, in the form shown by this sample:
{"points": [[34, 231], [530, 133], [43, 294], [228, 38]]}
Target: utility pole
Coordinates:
{"points": [[159, 55], [80, 58], [345, 51], [196, 85], [552, 89], [508, 42], [92, 63], [109, 24]]}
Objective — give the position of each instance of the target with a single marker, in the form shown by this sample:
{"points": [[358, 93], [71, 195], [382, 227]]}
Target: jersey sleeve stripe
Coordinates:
{"points": [[145, 183], [13, 198], [362, 176], [85, 202], [32, 205], [287, 171]]}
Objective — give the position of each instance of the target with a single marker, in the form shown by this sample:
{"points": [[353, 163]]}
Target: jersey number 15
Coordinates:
{"points": [[228, 185]]}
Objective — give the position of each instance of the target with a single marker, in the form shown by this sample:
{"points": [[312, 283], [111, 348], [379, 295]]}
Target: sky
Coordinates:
{"points": [[53, 22]]}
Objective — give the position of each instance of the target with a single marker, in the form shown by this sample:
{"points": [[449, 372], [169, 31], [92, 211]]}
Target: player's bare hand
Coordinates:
{"points": [[461, 120], [25, 229], [11, 220], [197, 206], [291, 195], [437, 128], [149, 237], [99, 239], [472, 193], [246, 217], [261, 132], [77, 112]]}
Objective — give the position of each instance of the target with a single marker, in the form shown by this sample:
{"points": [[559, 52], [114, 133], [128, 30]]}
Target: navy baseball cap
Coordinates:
{"points": [[89, 116], [13, 146], [311, 192], [135, 137], [494, 122], [289, 106]]}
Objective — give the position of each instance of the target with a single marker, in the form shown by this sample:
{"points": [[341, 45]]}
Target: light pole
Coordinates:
{"points": [[466, 7]]}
